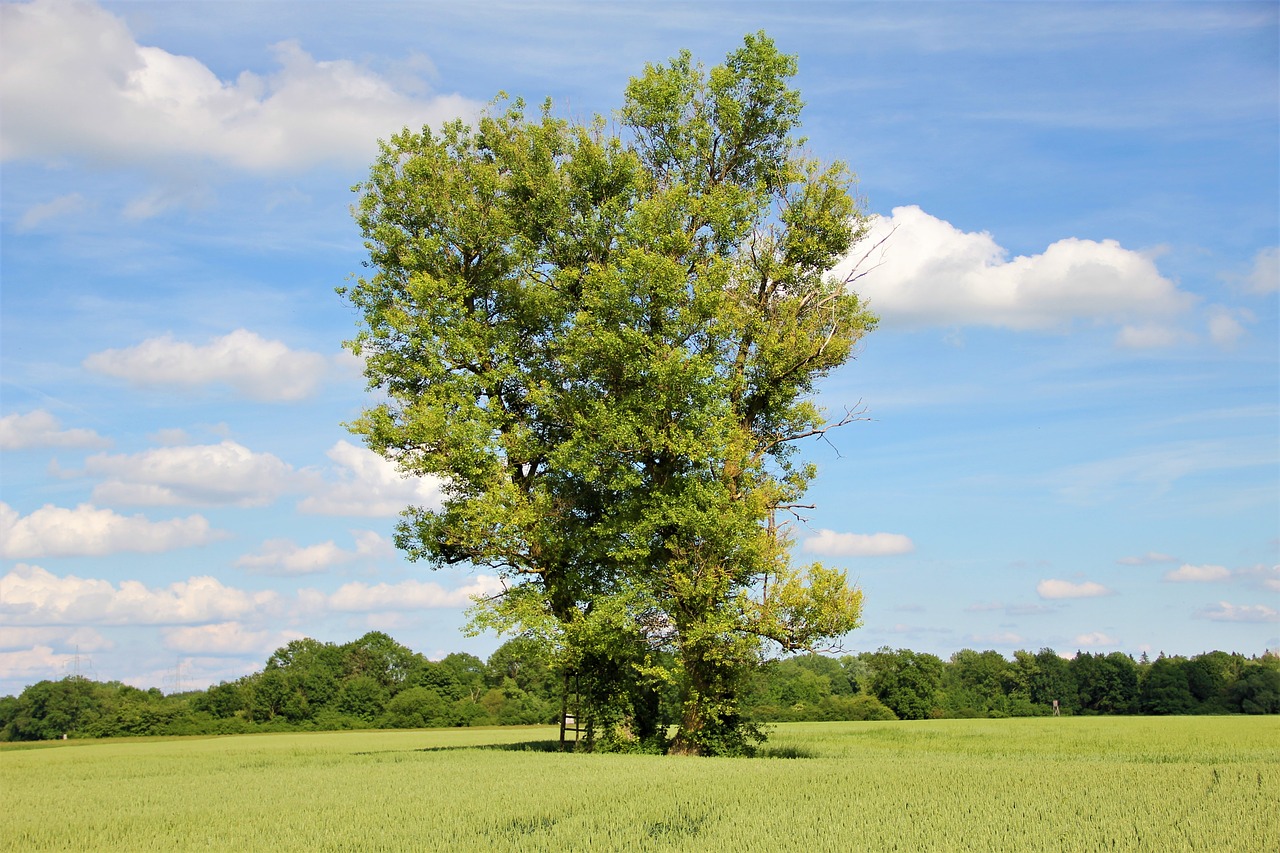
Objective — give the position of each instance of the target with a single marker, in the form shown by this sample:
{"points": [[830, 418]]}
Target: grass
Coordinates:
{"points": [[1159, 784]]}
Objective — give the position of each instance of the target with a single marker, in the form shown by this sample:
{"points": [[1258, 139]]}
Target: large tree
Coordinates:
{"points": [[605, 342]]}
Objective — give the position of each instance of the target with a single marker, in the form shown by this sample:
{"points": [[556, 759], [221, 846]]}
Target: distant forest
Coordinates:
{"points": [[374, 682]]}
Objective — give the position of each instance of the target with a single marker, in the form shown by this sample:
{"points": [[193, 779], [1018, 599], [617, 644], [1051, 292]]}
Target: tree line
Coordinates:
{"points": [[375, 682]]}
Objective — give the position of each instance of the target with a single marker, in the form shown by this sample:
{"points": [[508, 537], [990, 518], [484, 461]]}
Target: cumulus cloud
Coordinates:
{"points": [[1227, 612], [928, 272], [38, 428], [284, 557], [30, 595], [829, 543], [1066, 589], [202, 475], [369, 485], [74, 82], [408, 595], [258, 368], [1096, 638], [33, 664], [53, 531], [224, 639], [1197, 574]]}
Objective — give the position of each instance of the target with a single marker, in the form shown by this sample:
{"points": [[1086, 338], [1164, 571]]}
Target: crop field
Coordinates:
{"points": [[1113, 783]]}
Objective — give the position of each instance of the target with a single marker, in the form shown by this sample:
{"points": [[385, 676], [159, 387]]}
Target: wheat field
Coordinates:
{"points": [[1113, 783]]}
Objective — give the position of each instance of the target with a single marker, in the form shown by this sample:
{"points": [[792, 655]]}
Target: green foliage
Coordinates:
{"points": [[907, 682], [606, 346], [520, 685], [1166, 689], [1145, 784], [1257, 691], [1106, 684]]}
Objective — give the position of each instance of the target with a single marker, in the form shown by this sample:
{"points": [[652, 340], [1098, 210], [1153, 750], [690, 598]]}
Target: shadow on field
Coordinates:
{"points": [[524, 746], [554, 746]]}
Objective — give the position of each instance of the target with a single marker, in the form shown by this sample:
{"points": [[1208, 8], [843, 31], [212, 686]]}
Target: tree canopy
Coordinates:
{"points": [[605, 339]]}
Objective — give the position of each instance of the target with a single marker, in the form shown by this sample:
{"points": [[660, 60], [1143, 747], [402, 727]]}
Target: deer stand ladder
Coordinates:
{"points": [[571, 719]]}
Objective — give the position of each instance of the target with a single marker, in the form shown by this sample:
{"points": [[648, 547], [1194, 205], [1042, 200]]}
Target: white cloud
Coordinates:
{"points": [[1197, 574], [1225, 325], [1226, 612], [1149, 557], [928, 272], [53, 531], [1267, 577], [1151, 337], [254, 366], [78, 639], [284, 557], [225, 639], [829, 543], [1096, 638], [202, 475], [1265, 275], [74, 82], [1066, 589], [40, 429], [33, 664], [63, 205], [170, 436], [369, 485], [408, 595], [1155, 468], [30, 595]]}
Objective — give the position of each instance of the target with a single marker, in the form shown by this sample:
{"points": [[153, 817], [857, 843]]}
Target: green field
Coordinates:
{"points": [[1110, 783]]}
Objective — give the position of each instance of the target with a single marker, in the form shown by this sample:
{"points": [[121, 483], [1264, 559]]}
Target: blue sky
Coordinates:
{"points": [[1074, 393]]}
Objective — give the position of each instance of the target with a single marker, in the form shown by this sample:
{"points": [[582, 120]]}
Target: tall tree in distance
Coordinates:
{"points": [[606, 345]]}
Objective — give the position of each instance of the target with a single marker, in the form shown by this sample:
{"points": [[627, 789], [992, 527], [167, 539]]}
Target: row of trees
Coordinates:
{"points": [[915, 685], [374, 682]]}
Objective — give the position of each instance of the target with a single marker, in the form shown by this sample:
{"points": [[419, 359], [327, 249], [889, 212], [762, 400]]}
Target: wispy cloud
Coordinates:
{"points": [[1226, 325], [1188, 573], [1263, 276], [1053, 589], [1156, 468], [1147, 559], [1226, 612], [284, 557], [63, 205]]}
